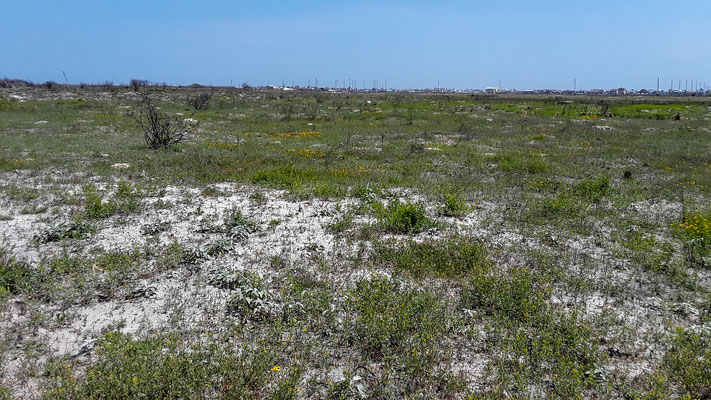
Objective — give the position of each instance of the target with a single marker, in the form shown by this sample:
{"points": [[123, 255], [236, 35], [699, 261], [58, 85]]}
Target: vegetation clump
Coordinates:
{"points": [[403, 218]]}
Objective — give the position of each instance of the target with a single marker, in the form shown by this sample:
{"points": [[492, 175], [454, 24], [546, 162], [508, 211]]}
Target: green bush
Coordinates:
{"points": [[404, 218], [453, 205]]}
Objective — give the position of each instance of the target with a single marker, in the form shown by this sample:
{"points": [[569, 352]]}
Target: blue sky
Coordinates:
{"points": [[461, 44]]}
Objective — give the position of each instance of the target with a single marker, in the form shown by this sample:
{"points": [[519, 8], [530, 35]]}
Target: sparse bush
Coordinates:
{"points": [[160, 130], [51, 86], [137, 84], [200, 101]]}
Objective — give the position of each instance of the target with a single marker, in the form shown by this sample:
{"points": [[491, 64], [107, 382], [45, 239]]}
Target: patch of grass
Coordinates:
{"points": [[520, 295], [653, 255], [21, 194], [401, 329], [168, 367], [688, 363], [447, 258], [126, 201], [592, 190], [15, 276]]}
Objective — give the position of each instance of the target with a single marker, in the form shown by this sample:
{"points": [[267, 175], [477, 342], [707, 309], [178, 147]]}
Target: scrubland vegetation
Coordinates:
{"points": [[353, 245]]}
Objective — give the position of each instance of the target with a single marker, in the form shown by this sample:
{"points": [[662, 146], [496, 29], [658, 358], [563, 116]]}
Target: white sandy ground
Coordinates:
{"points": [[301, 234]]}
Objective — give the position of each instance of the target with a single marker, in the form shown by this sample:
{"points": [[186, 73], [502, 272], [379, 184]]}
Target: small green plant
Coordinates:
{"points": [[126, 201], [14, 276], [695, 231], [592, 190], [404, 218], [453, 205]]}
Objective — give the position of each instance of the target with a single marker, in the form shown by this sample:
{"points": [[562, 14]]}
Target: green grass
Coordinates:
{"points": [[447, 258], [165, 366], [577, 199]]}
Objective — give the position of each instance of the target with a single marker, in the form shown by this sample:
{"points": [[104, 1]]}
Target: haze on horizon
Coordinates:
{"points": [[413, 44]]}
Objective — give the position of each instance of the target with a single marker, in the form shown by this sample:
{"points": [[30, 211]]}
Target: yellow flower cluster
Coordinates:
{"points": [[356, 171], [220, 144], [306, 153], [697, 226], [588, 117], [297, 134], [686, 183]]}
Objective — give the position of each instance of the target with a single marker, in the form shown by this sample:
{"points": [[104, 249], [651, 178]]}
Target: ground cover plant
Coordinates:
{"points": [[317, 244]]}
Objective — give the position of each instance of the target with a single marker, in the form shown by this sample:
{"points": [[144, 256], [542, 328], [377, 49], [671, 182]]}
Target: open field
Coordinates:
{"points": [[343, 245]]}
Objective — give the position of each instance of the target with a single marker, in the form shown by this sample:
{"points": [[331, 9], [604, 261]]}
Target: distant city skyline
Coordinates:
{"points": [[415, 44]]}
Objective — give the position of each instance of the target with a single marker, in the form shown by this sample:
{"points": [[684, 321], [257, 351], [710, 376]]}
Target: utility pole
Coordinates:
{"points": [[657, 84], [575, 85], [386, 84]]}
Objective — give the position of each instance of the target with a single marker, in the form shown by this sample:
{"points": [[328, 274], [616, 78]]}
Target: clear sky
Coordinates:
{"points": [[461, 44]]}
